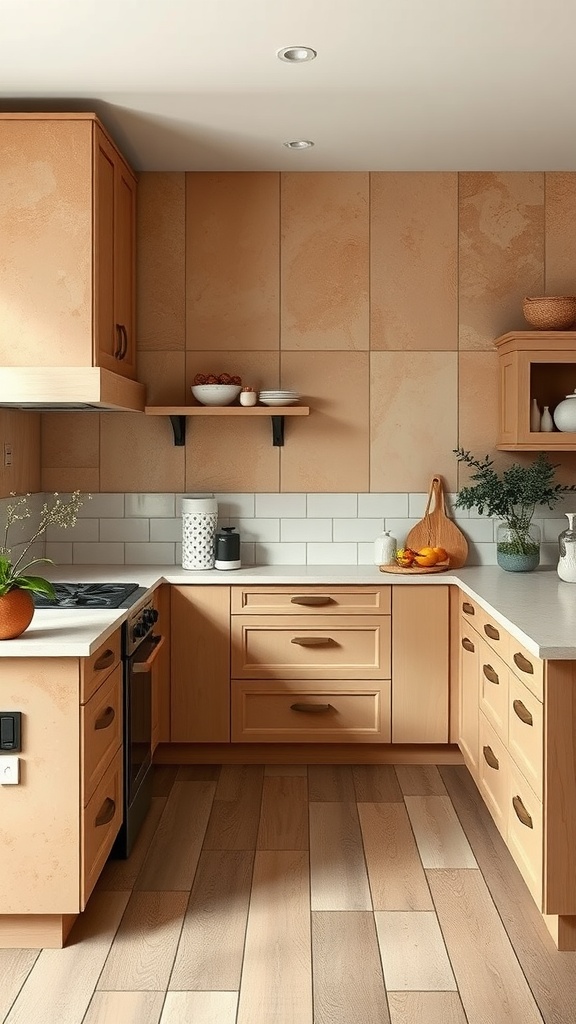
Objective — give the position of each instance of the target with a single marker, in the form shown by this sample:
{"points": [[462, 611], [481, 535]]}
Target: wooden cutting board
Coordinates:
{"points": [[436, 530]]}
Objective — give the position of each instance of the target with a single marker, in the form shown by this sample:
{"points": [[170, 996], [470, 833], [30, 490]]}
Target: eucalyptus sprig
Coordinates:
{"points": [[13, 574]]}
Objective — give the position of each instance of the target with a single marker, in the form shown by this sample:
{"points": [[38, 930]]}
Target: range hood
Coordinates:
{"points": [[69, 388]]}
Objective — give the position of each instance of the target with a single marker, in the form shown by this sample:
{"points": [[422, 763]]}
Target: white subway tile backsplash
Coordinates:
{"points": [[98, 554], [331, 506], [257, 529], [247, 556], [166, 529], [371, 506], [365, 554], [417, 505], [280, 506], [553, 527], [357, 529], [150, 554], [306, 529], [481, 530], [150, 505], [481, 554], [83, 530], [279, 554], [60, 554], [399, 528], [103, 506], [239, 505], [332, 554], [125, 529]]}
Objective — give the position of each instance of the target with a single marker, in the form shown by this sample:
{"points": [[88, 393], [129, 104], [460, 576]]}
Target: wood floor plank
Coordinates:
{"points": [[170, 863], [15, 966], [374, 783], [277, 972], [199, 1008], [550, 973], [286, 769], [414, 956], [420, 780], [397, 879], [439, 835], [198, 773], [328, 782], [62, 981], [491, 983], [144, 948], [163, 778], [284, 814], [426, 1008], [338, 876], [120, 875], [235, 816], [348, 982], [125, 1008], [209, 956]]}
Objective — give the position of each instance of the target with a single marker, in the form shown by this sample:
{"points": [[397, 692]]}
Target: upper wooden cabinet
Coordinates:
{"points": [[540, 365], [67, 222]]}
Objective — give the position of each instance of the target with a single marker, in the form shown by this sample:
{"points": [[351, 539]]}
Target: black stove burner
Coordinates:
{"points": [[87, 595]]}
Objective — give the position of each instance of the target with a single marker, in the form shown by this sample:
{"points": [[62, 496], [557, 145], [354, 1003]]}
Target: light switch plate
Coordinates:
{"points": [[9, 771]]}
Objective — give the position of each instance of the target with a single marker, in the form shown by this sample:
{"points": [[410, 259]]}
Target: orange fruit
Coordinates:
{"points": [[426, 557], [441, 554]]}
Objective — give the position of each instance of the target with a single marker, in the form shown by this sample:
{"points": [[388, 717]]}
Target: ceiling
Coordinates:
{"points": [[397, 84]]}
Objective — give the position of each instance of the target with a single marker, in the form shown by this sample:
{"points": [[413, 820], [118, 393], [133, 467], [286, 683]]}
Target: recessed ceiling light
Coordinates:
{"points": [[298, 144], [296, 54]]}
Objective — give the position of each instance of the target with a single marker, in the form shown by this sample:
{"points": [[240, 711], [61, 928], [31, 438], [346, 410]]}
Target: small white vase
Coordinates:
{"points": [[567, 544], [547, 423], [534, 417], [385, 548]]}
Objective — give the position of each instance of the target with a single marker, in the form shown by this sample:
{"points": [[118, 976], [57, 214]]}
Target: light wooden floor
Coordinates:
{"points": [[295, 895]]}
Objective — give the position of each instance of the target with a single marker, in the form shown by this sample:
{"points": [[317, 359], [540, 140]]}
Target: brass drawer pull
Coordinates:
{"points": [[314, 600], [468, 608], [312, 641], [521, 812], [490, 758], [491, 631], [522, 712], [106, 812], [523, 664], [105, 719], [490, 674], [316, 709], [468, 645], [105, 660]]}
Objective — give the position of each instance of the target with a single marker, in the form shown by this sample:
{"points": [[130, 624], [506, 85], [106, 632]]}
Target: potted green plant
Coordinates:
{"points": [[16, 584], [512, 496]]}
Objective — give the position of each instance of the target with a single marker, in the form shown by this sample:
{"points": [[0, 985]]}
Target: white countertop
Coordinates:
{"points": [[536, 607]]}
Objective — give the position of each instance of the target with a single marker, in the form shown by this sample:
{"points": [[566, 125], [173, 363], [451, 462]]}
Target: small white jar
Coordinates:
{"points": [[565, 413], [248, 398], [385, 548]]}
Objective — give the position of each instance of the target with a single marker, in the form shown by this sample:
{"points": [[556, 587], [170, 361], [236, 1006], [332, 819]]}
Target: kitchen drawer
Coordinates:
{"points": [[93, 670], [527, 667], [492, 632], [331, 600], [526, 733], [101, 820], [276, 647], [340, 712], [493, 773], [469, 609], [101, 731], [493, 689], [525, 831]]}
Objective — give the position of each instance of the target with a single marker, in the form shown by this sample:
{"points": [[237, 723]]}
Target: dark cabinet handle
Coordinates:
{"points": [[468, 645], [106, 812], [523, 664], [124, 348], [312, 641], [521, 812], [316, 709], [522, 712], [491, 631], [119, 342], [106, 718], [468, 608], [105, 660], [490, 758], [490, 674], [314, 600]]}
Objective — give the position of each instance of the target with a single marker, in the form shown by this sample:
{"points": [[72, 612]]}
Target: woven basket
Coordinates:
{"points": [[550, 312]]}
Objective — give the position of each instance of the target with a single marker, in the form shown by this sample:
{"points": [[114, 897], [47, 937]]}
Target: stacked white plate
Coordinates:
{"points": [[279, 397]]}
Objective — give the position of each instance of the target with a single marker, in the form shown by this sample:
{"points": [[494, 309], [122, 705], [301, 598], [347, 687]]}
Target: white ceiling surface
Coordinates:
{"points": [[397, 84]]}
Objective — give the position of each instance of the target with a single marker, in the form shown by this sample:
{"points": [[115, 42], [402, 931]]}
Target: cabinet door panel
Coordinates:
{"points": [[200, 656], [420, 664], [124, 263], [468, 707], [106, 337]]}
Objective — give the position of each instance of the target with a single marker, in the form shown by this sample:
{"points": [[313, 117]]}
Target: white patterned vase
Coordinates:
{"points": [[199, 519]]}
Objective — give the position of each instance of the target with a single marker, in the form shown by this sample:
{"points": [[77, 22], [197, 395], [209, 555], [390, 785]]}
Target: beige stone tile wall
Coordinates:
{"points": [[377, 295]]}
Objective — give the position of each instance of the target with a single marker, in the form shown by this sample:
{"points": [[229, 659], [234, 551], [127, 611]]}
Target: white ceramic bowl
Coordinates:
{"points": [[216, 394]]}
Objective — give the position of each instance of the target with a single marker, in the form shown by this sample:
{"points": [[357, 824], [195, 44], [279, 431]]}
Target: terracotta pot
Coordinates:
{"points": [[16, 611]]}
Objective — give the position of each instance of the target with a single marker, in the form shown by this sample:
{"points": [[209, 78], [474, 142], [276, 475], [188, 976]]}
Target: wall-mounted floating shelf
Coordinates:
{"points": [[178, 415]]}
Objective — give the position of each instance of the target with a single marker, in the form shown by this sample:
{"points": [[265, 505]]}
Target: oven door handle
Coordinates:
{"points": [[138, 667]]}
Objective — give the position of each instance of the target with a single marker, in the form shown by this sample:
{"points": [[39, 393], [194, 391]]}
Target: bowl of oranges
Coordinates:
{"points": [[426, 559]]}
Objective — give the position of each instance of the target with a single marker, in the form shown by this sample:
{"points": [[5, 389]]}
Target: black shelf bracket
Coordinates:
{"points": [[278, 431], [179, 428]]}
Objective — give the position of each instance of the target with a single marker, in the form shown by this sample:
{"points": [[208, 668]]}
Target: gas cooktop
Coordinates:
{"points": [[91, 595]]}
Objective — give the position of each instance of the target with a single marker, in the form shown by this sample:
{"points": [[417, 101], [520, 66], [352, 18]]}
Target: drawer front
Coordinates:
{"points": [[525, 733], [527, 667], [469, 610], [525, 832], [493, 690], [360, 600], [493, 633], [101, 820], [292, 711], [101, 731], [268, 647], [98, 666], [493, 773]]}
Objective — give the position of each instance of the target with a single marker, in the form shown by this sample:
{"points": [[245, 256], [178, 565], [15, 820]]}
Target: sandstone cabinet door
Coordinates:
{"points": [[161, 670], [420, 663], [468, 696], [200, 660], [124, 267]]}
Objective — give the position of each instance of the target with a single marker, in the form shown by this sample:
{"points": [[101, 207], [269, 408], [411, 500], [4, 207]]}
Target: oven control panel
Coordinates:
{"points": [[139, 625]]}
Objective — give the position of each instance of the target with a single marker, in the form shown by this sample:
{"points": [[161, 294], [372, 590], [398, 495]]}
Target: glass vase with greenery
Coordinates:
{"points": [[512, 496]]}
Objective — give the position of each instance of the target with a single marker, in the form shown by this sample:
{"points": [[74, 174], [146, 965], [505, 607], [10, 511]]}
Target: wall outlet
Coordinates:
{"points": [[9, 771], [7, 454]]}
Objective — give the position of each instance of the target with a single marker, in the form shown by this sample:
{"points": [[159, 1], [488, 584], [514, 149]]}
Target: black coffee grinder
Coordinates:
{"points": [[227, 546]]}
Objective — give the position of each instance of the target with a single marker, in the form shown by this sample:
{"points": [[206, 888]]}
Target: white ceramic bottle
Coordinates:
{"points": [[534, 416], [567, 544], [547, 423], [385, 548]]}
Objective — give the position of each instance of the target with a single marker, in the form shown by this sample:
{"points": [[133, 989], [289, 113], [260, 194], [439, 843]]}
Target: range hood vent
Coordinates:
{"points": [[69, 389]]}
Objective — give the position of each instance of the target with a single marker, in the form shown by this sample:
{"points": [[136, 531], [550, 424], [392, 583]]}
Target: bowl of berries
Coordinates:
{"points": [[211, 389]]}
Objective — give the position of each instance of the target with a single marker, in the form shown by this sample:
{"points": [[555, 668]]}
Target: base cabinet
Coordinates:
{"points": [[200, 664]]}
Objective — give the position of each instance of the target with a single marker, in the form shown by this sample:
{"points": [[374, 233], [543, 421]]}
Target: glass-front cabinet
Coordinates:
{"points": [[535, 368]]}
